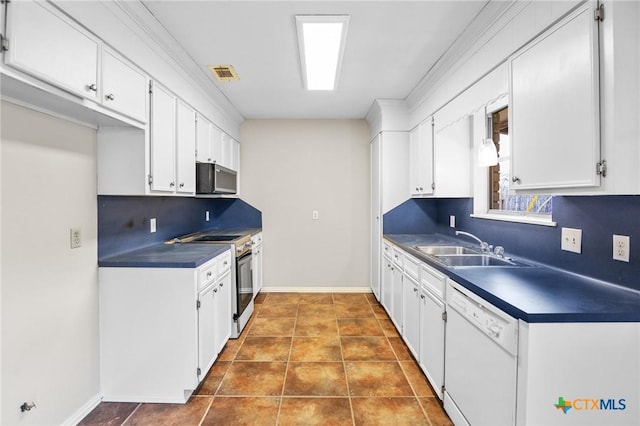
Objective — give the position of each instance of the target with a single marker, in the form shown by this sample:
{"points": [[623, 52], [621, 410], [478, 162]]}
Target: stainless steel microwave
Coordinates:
{"points": [[215, 179]]}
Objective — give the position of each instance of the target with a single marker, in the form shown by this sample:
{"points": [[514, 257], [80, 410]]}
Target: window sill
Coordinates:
{"points": [[515, 218]]}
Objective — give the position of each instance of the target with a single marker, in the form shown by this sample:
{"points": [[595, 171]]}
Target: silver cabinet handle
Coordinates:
{"points": [[415, 290], [110, 97], [182, 185], [172, 184], [209, 274], [515, 179], [422, 296], [215, 290], [420, 188], [221, 284], [92, 87]]}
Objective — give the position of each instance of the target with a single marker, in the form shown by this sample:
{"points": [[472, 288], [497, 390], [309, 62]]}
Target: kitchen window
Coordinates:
{"points": [[494, 200]]}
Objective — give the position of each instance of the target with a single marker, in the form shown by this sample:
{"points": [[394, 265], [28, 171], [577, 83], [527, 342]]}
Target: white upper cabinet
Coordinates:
{"points": [[554, 106], [203, 140], [421, 159], [49, 46], [185, 148], [452, 158], [163, 137], [124, 88]]}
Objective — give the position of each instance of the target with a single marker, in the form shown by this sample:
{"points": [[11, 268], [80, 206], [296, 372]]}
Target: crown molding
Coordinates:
{"points": [[136, 16], [493, 17]]}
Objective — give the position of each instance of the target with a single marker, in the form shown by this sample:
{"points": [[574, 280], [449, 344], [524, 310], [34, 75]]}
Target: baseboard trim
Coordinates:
{"points": [[84, 410], [316, 289]]}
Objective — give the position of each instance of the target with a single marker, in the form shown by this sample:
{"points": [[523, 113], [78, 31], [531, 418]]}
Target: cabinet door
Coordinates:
{"points": [[411, 313], [224, 316], [396, 297], [452, 159], [216, 145], [376, 222], [554, 106], [432, 339], [185, 149], [124, 88], [162, 139], [225, 158], [235, 155], [207, 343], [257, 269], [386, 284], [203, 140], [50, 46], [421, 159]]}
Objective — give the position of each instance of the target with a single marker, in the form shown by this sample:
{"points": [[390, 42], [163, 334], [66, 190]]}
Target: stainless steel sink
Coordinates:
{"points": [[445, 250], [475, 260]]}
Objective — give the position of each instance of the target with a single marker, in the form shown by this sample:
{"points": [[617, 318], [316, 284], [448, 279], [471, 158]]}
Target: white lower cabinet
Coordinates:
{"points": [[256, 263], [431, 357], [386, 283], [161, 329], [396, 291], [411, 312]]}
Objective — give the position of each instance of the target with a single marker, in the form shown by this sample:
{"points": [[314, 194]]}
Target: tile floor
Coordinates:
{"points": [[303, 359]]}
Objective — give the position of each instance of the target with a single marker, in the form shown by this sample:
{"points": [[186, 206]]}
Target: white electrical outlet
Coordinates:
{"points": [[76, 238], [452, 221], [571, 240], [621, 247], [206, 215], [152, 225], [314, 215]]}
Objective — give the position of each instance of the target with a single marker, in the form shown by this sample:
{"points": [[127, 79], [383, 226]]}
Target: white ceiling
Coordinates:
{"points": [[391, 45]]}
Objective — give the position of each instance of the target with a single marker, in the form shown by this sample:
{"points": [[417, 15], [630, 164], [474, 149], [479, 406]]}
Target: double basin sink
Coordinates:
{"points": [[457, 256]]}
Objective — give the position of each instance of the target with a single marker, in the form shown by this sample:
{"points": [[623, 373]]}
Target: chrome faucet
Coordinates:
{"points": [[484, 246]]}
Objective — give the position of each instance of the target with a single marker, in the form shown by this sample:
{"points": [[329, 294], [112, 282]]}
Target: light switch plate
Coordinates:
{"points": [[152, 225], [206, 215], [314, 215], [452, 221], [571, 240], [76, 238]]}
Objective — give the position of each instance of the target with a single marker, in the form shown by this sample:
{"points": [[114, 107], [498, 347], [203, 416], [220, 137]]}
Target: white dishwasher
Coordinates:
{"points": [[480, 361]]}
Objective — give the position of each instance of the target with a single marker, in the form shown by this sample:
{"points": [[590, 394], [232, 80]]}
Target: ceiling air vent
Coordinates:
{"points": [[224, 72]]}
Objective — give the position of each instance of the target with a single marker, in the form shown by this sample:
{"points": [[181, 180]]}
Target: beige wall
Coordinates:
{"points": [[290, 168], [50, 342]]}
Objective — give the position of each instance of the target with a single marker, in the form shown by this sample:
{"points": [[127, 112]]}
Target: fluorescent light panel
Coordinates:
{"points": [[321, 40]]}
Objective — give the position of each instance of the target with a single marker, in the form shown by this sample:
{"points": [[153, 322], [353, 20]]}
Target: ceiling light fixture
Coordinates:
{"points": [[321, 40]]}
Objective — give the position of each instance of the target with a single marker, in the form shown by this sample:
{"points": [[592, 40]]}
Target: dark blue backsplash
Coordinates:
{"points": [[599, 217], [414, 216], [123, 222]]}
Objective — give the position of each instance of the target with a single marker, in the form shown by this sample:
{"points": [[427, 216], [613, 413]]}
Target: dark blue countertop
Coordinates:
{"points": [[535, 293], [189, 255]]}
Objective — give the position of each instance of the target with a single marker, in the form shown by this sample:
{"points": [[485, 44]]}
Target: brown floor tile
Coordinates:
{"points": [[388, 328], [259, 299], [376, 379], [230, 349], [315, 411], [435, 412], [316, 326], [254, 378], [386, 411], [401, 349], [368, 348], [359, 327], [315, 378], [371, 298], [316, 298], [109, 414], [210, 383], [314, 349], [316, 310], [279, 298], [350, 298], [379, 312], [247, 411], [258, 348], [353, 311], [284, 310], [171, 414], [417, 379], [272, 327]]}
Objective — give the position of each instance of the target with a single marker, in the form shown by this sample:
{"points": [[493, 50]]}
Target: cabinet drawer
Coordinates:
{"points": [[224, 263], [397, 256], [433, 280], [412, 266], [207, 273]]}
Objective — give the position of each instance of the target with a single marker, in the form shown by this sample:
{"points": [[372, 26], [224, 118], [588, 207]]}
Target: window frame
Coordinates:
{"points": [[481, 197]]}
